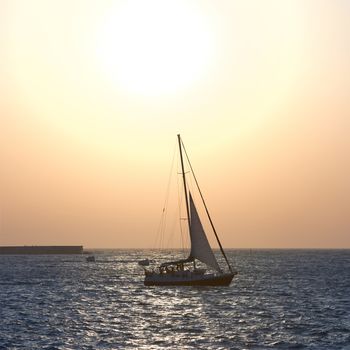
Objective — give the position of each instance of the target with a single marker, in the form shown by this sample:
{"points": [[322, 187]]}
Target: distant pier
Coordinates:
{"points": [[38, 250]]}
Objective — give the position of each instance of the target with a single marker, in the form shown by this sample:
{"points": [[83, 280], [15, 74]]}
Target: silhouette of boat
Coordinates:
{"points": [[185, 271]]}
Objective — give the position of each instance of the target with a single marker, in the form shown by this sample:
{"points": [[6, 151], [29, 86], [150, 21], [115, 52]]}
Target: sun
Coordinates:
{"points": [[154, 47]]}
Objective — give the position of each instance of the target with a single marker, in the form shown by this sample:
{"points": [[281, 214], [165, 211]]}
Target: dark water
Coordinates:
{"points": [[296, 299]]}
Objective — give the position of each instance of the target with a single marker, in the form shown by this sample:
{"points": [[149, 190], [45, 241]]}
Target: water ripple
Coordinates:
{"points": [[280, 300]]}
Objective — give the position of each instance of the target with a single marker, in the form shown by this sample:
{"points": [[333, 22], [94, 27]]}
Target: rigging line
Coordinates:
{"points": [[173, 224], [206, 209], [158, 238], [172, 231], [155, 245], [162, 223], [179, 192], [169, 178], [160, 232], [165, 209], [184, 182]]}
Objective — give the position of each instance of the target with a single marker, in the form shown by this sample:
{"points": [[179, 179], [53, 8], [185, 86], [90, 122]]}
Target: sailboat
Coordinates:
{"points": [[186, 272]]}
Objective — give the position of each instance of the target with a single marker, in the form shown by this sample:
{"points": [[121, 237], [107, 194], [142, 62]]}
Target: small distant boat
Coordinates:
{"points": [[185, 271], [144, 262], [90, 258]]}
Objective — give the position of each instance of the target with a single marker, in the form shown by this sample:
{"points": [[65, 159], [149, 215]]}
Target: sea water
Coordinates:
{"points": [[281, 299]]}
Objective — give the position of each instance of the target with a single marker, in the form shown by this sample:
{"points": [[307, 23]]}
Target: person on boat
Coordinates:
{"points": [[180, 267]]}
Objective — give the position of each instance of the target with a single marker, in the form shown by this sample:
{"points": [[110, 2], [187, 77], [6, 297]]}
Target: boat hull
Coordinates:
{"points": [[204, 280]]}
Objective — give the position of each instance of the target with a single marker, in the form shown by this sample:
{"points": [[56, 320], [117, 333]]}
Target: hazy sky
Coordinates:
{"points": [[93, 94]]}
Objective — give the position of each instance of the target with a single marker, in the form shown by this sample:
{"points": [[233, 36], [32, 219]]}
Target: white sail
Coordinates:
{"points": [[200, 248]]}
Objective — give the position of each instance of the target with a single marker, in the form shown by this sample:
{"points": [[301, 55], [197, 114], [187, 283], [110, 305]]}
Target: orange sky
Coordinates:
{"points": [[93, 94]]}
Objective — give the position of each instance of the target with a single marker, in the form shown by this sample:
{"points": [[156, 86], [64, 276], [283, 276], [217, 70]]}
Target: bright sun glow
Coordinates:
{"points": [[154, 47]]}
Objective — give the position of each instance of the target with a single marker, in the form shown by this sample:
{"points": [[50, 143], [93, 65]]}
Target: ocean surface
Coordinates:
{"points": [[281, 299]]}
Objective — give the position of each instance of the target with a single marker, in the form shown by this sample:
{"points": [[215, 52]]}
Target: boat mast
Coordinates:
{"points": [[205, 206], [184, 180]]}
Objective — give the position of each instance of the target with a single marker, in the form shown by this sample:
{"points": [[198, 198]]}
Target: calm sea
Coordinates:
{"points": [[282, 299]]}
